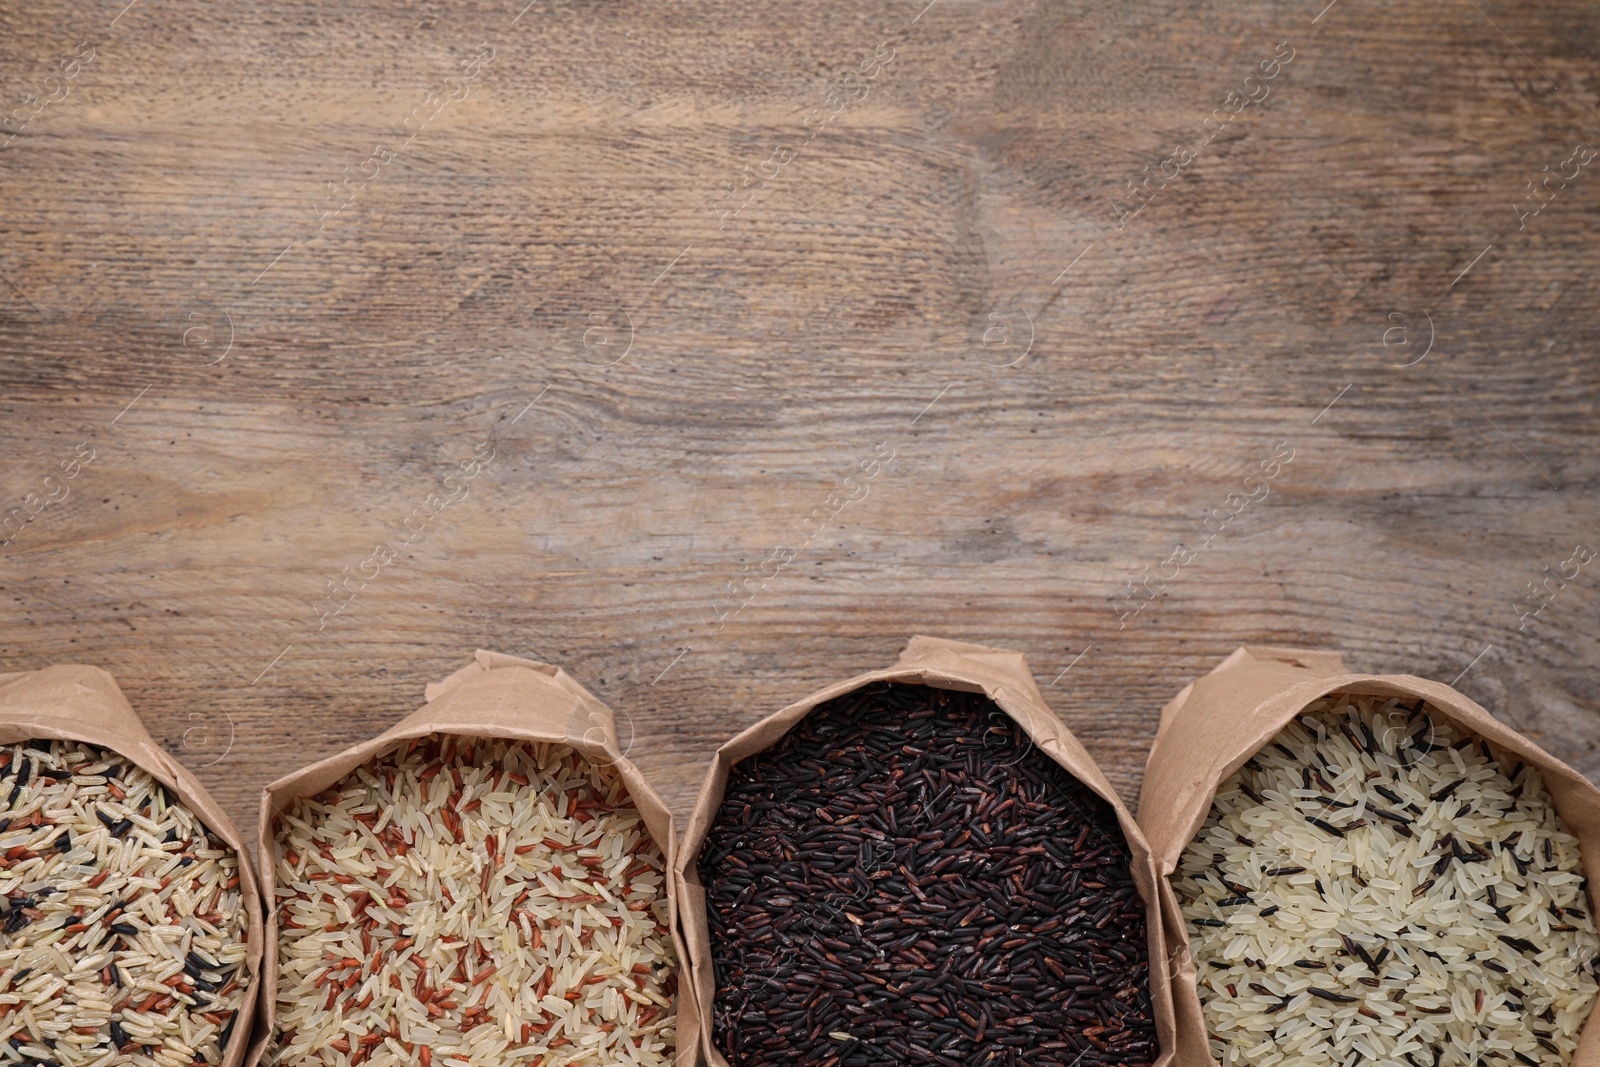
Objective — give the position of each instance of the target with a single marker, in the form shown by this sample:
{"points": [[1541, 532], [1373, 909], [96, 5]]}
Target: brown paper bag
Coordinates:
{"points": [[1004, 677], [502, 697], [76, 703], [1217, 722]]}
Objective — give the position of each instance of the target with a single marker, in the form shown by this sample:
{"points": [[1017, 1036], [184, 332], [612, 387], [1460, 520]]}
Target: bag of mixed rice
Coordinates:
{"points": [[489, 882], [1368, 869], [132, 920]]}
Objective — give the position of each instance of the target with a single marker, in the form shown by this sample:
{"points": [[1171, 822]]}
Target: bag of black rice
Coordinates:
{"points": [[921, 865]]}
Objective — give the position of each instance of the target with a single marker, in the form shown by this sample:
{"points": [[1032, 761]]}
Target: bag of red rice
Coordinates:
{"points": [[487, 883], [132, 925], [1368, 869]]}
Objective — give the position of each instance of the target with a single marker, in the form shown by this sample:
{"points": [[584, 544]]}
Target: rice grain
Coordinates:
{"points": [[1376, 885], [473, 902], [124, 931]]}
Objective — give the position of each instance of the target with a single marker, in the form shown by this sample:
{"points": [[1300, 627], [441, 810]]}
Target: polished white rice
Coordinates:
{"points": [[461, 902], [1376, 886], [123, 930]]}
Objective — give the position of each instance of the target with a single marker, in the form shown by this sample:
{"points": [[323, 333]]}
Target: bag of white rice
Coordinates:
{"points": [[130, 918], [486, 884], [1368, 869]]}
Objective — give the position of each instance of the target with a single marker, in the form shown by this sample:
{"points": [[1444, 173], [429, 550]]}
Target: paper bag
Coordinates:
{"points": [[1218, 722], [500, 697], [1004, 677], [76, 703]]}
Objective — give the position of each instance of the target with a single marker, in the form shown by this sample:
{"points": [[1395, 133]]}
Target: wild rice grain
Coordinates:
{"points": [[124, 932], [1434, 932], [464, 901]]}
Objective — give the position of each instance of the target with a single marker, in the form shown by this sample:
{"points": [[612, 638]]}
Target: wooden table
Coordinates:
{"points": [[624, 307]]}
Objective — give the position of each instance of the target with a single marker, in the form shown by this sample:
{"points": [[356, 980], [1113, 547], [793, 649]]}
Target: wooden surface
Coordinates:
{"points": [[933, 270]]}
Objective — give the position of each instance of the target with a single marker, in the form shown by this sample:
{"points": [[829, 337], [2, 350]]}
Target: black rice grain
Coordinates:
{"points": [[903, 879]]}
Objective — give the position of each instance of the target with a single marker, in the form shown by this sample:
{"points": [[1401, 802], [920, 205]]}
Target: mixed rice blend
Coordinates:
{"points": [[124, 931], [1376, 886], [461, 902]]}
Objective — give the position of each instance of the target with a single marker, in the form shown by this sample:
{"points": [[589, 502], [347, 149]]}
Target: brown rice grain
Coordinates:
{"points": [[464, 901]]}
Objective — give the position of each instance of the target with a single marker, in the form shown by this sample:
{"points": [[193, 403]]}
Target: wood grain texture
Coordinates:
{"points": [[926, 260]]}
